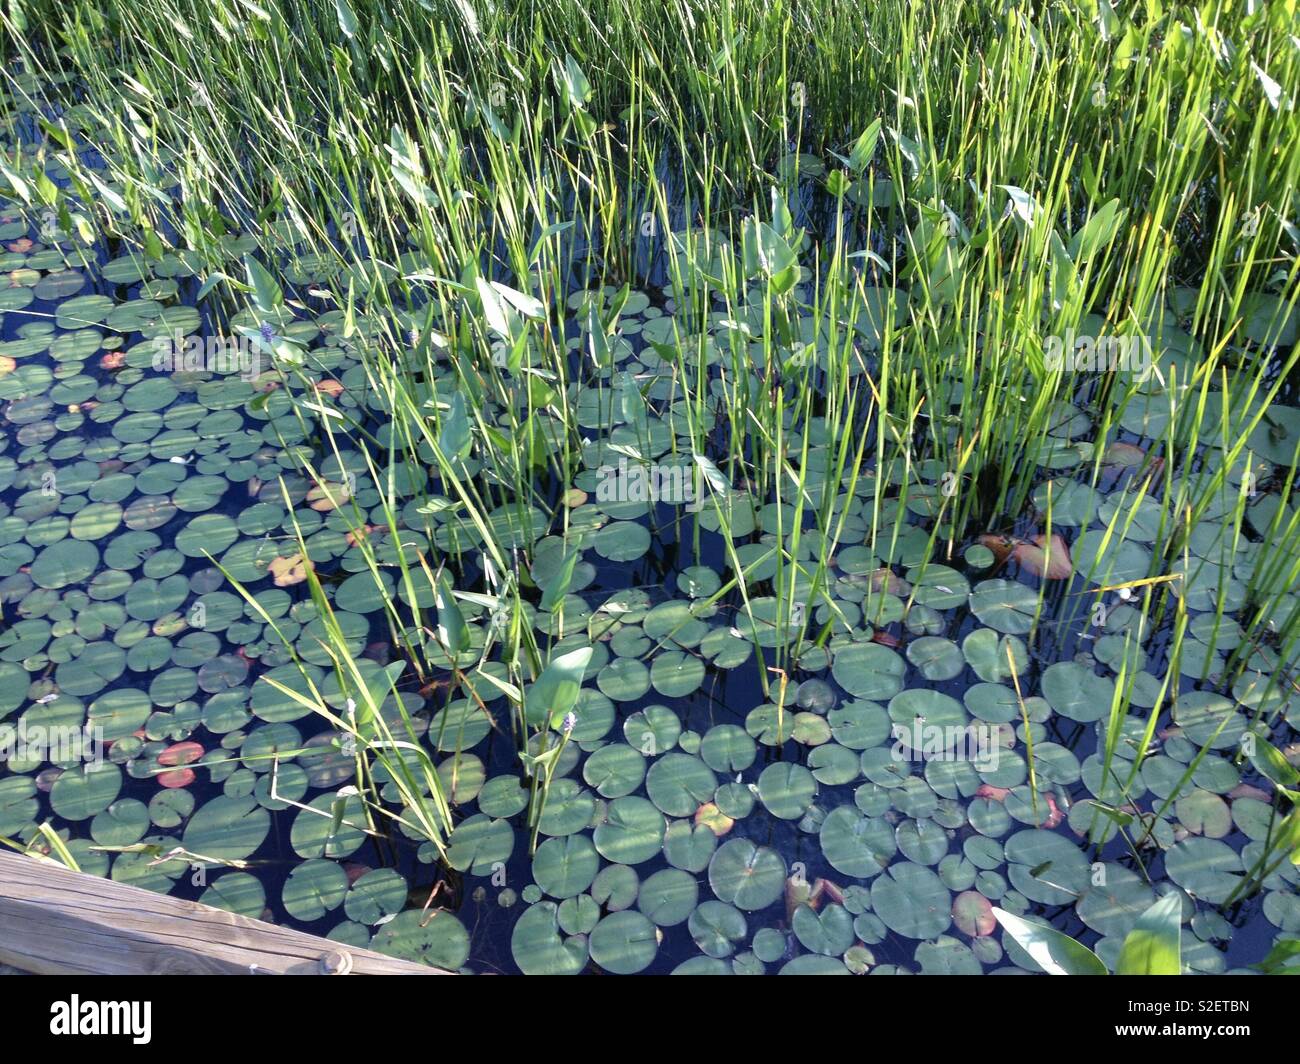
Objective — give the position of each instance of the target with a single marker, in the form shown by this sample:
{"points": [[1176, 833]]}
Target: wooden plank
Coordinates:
{"points": [[54, 921]]}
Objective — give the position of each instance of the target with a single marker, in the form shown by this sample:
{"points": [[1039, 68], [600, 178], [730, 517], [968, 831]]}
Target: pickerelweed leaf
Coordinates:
{"points": [[453, 633], [555, 692], [266, 293], [1153, 947], [1054, 952]]}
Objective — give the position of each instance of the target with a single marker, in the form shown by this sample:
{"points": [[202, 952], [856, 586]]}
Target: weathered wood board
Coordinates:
{"points": [[54, 921]]}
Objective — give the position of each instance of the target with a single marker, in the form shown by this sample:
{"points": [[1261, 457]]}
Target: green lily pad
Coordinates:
{"points": [[828, 932], [1206, 868], [376, 894], [632, 832], [1005, 606], [1114, 900], [565, 866], [236, 892], [747, 875], [479, 844], [313, 889], [1076, 692], [912, 901], [70, 561], [668, 897], [936, 659], [81, 792], [680, 783], [624, 943], [615, 770], [331, 826], [716, 928], [227, 829], [436, 938], [786, 790], [868, 670], [540, 948]]}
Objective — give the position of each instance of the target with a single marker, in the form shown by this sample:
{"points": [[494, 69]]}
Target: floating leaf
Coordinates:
{"points": [[747, 875], [1043, 558], [435, 938]]}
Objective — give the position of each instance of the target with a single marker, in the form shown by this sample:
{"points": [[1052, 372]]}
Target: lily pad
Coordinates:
{"points": [[747, 875]]}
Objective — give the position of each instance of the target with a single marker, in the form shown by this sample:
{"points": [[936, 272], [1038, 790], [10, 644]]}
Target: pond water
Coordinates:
{"points": [[693, 823]]}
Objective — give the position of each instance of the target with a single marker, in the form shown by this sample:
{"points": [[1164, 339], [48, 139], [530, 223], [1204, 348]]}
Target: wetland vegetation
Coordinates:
{"points": [[660, 485]]}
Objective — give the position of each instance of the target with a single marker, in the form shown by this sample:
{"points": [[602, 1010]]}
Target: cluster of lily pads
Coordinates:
{"points": [[939, 658], [700, 816]]}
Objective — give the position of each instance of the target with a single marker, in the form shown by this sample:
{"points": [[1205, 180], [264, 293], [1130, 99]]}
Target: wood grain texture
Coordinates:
{"points": [[54, 921]]}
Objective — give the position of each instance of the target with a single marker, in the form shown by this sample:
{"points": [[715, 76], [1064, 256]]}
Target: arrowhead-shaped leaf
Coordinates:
{"points": [[1055, 953], [555, 692], [266, 293], [452, 631], [1154, 944]]}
